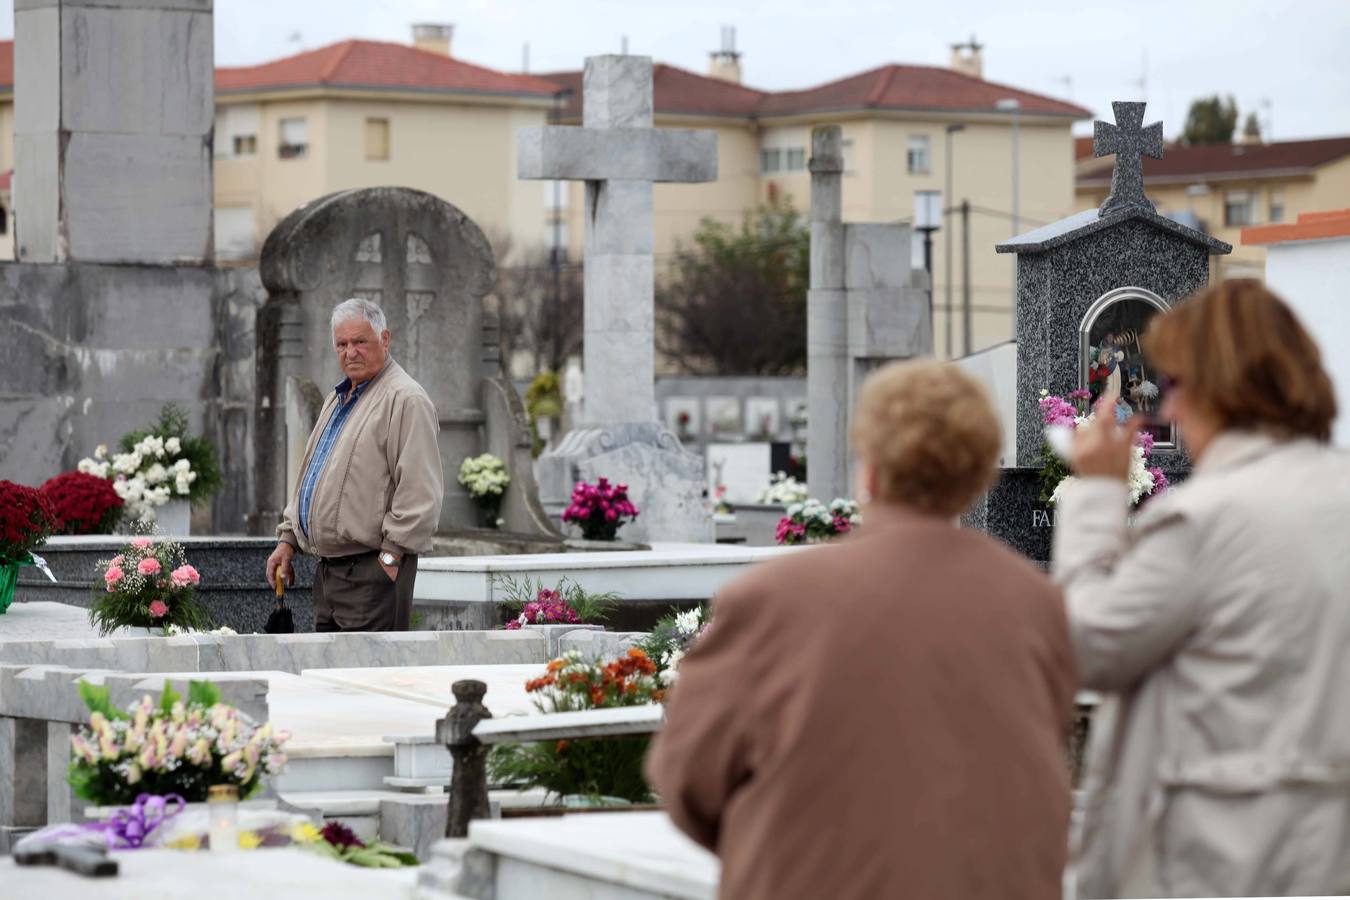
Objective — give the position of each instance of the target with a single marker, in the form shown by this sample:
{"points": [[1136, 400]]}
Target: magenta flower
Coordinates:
{"points": [[1080, 394], [1160, 482]]}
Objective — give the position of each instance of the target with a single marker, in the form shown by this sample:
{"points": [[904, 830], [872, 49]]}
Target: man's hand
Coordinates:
{"points": [[391, 571], [1103, 449], [281, 559]]}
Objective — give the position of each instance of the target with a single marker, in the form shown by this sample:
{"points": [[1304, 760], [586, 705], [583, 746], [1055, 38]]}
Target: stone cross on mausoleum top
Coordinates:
{"points": [[1128, 139], [619, 155]]}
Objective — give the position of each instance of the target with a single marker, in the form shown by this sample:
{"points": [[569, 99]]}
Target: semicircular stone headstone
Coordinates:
{"points": [[429, 266], [424, 261]]}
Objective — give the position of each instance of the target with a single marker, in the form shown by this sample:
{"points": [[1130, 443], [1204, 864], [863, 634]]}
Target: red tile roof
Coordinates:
{"points": [[679, 91], [1313, 226], [1217, 161], [376, 64], [913, 88], [675, 91]]}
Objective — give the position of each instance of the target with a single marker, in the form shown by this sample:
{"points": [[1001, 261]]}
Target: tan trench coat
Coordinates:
{"points": [[881, 718], [1219, 625]]}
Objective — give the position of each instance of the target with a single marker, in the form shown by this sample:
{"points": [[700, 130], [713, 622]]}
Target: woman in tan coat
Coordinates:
{"points": [[886, 716], [1219, 623]]}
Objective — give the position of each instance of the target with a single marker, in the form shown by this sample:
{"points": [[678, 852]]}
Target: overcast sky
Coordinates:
{"points": [[1292, 54]]}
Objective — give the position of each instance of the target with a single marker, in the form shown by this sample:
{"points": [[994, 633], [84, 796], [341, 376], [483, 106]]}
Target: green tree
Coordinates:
{"points": [[1211, 120], [735, 302]]}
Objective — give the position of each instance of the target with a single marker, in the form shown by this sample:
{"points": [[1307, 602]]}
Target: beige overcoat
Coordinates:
{"points": [[881, 718], [1218, 625]]}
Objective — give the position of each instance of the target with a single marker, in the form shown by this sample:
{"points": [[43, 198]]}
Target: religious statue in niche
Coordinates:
{"points": [[1115, 361]]}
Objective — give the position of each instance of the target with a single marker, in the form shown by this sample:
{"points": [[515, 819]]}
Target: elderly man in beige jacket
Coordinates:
{"points": [[1219, 624], [370, 494]]}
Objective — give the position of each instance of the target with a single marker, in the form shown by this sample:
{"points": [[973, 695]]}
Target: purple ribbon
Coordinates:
{"points": [[129, 828]]}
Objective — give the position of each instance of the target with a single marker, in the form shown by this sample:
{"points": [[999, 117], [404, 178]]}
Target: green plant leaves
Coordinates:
{"points": [[95, 696], [203, 693]]}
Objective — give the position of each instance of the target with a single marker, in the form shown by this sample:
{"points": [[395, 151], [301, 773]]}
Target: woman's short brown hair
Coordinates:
{"points": [[1242, 357], [932, 434]]}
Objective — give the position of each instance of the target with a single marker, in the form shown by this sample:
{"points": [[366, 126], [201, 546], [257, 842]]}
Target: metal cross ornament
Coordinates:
{"points": [[1128, 139]]}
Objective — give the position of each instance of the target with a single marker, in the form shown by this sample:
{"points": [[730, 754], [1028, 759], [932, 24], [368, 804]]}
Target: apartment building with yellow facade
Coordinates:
{"points": [[364, 113], [1224, 188]]}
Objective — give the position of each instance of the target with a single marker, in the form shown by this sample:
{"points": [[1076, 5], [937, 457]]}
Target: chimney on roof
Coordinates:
{"points": [[725, 64], [967, 59], [432, 37]]}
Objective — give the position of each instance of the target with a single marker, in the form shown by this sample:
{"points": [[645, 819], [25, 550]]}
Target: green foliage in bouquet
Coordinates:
{"points": [[173, 746], [590, 608], [199, 451], [604, 770]]}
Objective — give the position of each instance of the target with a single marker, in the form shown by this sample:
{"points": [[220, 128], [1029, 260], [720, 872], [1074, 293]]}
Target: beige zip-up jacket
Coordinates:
{"points": [[381, 486], [1219, 626]]}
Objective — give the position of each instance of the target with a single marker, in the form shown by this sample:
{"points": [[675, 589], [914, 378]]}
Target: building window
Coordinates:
{"points": [[555, 195], [294, 139], [847, 147], [4, 220], [918, 156], [245, 145], [377, 138], [556, 254], [1276, 206], [1237, 208], [770, 160], [927, 217], [796, 159]]}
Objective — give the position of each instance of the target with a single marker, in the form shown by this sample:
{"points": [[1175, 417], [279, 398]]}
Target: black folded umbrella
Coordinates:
{"points": [[280, 621]]}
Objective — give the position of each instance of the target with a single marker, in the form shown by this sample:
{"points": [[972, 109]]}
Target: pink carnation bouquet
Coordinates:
{"points": [[148, 585], [599, 509]]}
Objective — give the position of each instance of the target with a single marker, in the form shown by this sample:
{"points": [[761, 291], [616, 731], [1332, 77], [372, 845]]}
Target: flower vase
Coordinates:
{"points": [[489, 509], [9, 577], [600, 531], [175, 518]]}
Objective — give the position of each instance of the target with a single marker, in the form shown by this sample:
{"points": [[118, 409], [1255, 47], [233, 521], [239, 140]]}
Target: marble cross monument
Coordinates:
{"points": [[619, 155]]}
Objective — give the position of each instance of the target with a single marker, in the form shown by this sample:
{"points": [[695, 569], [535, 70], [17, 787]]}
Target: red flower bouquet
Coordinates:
{"points": [[26, 521], [84, 504], [599, 509]]}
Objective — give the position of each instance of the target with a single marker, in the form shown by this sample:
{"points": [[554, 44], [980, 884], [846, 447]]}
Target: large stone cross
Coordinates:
{"points": [[1128, 140], [619, 155]]}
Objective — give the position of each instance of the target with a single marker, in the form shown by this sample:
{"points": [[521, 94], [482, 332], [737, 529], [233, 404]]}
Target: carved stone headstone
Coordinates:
{"points": [[429, 267], [1086, 288]]}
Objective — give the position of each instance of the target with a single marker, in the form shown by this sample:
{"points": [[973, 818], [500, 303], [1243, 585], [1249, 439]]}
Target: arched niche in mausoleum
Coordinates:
{"points": [[1111, 356]]}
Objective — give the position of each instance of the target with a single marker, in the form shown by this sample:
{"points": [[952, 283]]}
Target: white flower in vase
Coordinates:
{"points": [[173, 446]]}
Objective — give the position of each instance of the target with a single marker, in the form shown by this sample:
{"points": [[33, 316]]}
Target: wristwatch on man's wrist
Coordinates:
{"points": [[388, 558]]}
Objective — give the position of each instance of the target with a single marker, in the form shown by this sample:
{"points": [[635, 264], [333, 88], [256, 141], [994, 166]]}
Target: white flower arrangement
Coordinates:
{"points": [[147, 477], [484, 475], [783, 490], [1140, 480]]}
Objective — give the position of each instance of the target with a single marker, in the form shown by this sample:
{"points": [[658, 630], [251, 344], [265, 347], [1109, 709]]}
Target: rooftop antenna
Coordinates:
{"points": [[1142, 80], [1269, 106], [623, 45], [1067, 81], [525, 59]]}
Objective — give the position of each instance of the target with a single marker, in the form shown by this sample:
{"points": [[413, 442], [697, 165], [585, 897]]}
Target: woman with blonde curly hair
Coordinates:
{"points": [[1219, 623], [885, 716]]}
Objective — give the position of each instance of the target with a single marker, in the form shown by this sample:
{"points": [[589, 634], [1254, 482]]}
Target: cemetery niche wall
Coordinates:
{"points": [[428, 266], [1087, 287]]}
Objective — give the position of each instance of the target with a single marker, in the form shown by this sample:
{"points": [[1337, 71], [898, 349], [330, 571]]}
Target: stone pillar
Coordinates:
{"points": [[827, 373], [114, 112], [23, 783], [62, 804], [468, 778]]}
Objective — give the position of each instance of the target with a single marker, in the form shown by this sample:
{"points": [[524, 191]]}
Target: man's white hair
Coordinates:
{"points": [[359, 308]]}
